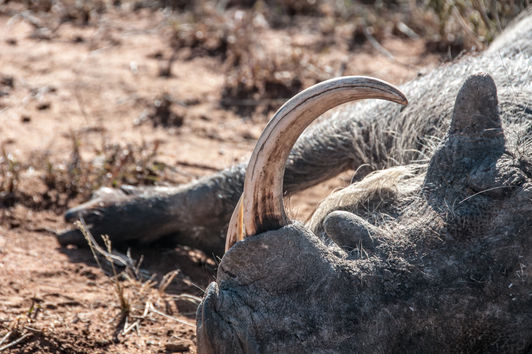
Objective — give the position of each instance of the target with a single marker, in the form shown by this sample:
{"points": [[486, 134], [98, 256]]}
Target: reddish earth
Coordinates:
{"points": [[91, 84]]}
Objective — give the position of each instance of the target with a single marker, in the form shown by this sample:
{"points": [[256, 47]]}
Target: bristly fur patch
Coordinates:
{"points": [[378, 190]]}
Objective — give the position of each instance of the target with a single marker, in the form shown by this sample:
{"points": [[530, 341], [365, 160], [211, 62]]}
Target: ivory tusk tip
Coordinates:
{"points": [[401, 98]]}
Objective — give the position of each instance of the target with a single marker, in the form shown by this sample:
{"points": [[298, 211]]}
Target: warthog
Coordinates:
{"points": [[369, 134], [431, 252], [422, 257]]}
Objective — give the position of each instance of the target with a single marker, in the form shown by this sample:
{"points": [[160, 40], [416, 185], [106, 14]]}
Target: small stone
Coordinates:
{"points": [[44, 106], [7, 80], [78, 39]]}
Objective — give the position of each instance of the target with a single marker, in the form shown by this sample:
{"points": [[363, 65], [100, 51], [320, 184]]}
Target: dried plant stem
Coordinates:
{"points": [[15, 342]]}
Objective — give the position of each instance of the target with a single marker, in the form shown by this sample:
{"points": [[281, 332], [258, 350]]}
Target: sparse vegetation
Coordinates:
{"points": [[264, 51], [112, 165], [257, 71], [145, 293]]}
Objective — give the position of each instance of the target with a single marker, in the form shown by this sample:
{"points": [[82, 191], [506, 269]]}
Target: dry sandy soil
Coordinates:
{"points": [[87, 88]]}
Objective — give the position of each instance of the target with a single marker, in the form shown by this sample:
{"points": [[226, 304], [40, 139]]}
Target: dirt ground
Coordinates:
{"points": [[85, 90]]}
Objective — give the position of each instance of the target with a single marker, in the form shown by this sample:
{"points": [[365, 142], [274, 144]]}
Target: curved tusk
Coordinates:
{"points": [[235, 230], [261, 207]]}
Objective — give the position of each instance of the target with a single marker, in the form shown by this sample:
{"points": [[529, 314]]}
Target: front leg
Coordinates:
{"points": [[195, 214]]}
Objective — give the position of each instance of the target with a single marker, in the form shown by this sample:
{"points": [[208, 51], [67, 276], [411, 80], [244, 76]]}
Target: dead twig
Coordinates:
{"points": [[120, 260], [197, 165], [154, 310], [15, 342], [4, 338], [129, 327], [465, 26], [187, 297], [125, 306], [167, 280], [379, 48]]}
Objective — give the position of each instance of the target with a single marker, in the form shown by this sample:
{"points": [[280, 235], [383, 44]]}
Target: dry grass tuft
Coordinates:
{"points": [[259, 73], [138, 294], [110, 165], [469, 24]]}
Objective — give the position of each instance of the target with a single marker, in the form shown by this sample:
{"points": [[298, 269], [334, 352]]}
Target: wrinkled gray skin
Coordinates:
{"points": [[436, 261], [420, 258], [377, 134]]}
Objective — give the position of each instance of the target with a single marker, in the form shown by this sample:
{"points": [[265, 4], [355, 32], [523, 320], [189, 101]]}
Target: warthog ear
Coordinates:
{"points": [[475, 139], [476, 111], [471, 173]]}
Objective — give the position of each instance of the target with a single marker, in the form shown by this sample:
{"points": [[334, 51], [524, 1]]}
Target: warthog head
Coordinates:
{"points": [[418, 258]]}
